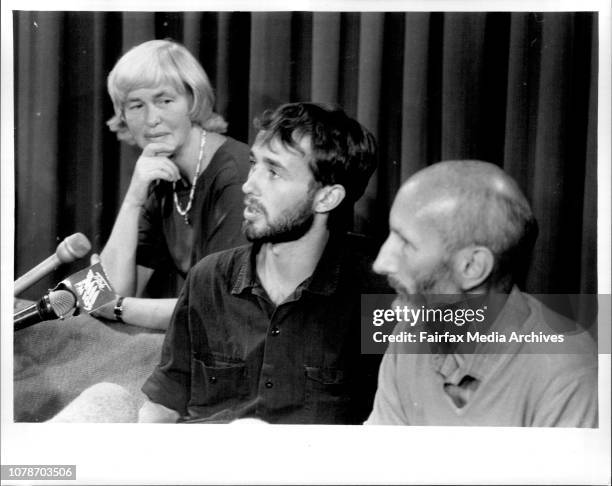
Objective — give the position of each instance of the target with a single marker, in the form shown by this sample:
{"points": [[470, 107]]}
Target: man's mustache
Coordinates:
{"points": [[254, 204], [397, 286]]}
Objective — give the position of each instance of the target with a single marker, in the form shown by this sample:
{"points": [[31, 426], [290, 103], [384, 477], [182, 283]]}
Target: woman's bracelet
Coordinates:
{"points": [[118, 310]]}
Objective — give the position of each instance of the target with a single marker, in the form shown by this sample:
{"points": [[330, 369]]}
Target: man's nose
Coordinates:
{"points": [[386, 261], [250, 185]]}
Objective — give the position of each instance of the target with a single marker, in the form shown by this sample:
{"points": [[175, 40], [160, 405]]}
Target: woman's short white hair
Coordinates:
{"points": [[162, 62]]}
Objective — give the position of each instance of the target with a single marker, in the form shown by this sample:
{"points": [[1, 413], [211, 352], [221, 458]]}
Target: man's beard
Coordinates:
{"points": [[290, 225], [427, 290]]}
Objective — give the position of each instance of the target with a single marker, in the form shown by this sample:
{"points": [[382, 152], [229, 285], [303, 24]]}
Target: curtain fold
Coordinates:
{"points": [[462, 73], [270, 64], [589, 213], [517, 89], [416, 109], [371, 36], [325, 56], [37, 200]]}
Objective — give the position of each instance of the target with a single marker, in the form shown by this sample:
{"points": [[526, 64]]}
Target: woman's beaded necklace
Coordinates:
{"points": [[185, 212]]}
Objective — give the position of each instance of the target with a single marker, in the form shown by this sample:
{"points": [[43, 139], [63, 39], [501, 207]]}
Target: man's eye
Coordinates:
{"points": [[273, 173], [406, 245], [134, 106]]}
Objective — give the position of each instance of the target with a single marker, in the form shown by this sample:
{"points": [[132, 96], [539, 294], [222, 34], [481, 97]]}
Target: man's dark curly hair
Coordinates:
{"points": [[343, 151]]}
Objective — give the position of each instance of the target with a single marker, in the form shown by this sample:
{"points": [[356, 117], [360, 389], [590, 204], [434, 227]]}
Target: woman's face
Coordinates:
{"points": [[158, 115]]}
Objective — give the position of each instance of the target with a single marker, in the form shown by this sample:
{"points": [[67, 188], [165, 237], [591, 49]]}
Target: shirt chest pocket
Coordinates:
{"points": [[327, 394], [215, 384], [325, 378]]}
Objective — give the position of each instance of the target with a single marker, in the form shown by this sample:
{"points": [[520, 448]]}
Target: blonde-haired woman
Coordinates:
{"points": [[184, 200]]}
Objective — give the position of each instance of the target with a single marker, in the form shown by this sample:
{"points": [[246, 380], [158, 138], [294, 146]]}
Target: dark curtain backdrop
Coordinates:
{"points": [[517, 89]]}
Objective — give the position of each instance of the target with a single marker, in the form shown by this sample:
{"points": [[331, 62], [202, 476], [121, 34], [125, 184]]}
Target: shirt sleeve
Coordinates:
{"points": [[387, 408], [569, 401], [169, 385]]}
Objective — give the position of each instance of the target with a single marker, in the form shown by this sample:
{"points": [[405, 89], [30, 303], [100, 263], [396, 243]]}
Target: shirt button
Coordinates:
{"points": [[275, 331], [269, 384], [213, 379]]}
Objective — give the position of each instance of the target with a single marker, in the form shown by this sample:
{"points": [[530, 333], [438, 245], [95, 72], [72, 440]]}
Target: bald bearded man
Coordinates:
{"points": [[463, 231]]}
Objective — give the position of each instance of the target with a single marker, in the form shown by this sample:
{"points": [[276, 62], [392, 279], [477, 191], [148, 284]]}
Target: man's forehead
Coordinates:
{"points": [[294, 163], [415, 206]]}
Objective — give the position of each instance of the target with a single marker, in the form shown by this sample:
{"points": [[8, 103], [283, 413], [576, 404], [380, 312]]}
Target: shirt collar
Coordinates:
{"points": [[326, 276], [244, 277], [485, 358], [323, 281]]}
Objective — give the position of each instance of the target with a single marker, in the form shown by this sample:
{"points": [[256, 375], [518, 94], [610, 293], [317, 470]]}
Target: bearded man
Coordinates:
{"points": [[460, 237], [271, 330]]}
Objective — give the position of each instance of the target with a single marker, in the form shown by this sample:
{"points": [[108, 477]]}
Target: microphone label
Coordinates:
{"points": [[91, 287]]}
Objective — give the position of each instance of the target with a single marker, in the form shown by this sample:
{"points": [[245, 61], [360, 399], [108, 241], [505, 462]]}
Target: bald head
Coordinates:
{"points": [[455, 178], [473, 203]]}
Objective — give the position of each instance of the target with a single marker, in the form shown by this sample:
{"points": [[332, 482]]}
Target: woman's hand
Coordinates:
{"points": [[153, 164]]}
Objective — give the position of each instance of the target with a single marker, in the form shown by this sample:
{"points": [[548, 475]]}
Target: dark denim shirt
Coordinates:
{"points": [[230, 353]]}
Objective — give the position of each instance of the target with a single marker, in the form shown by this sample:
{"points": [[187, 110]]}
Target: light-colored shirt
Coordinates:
{"points": [[521, 387]]}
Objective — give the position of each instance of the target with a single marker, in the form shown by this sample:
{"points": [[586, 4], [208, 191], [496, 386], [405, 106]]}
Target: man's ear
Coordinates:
{"points": [[329, 198], [473, 266]]}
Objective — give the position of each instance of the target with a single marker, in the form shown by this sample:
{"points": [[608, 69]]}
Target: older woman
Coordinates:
{"points": [[184, 199]]}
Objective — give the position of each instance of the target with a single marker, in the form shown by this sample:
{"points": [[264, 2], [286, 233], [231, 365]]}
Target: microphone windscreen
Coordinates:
{"points": [[73, 247], [62, 302], [103, 402]]}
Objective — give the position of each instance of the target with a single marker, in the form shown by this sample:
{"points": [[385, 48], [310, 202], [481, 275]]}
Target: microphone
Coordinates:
{"points": [[90, 286], [55, 304], [88, 289], [70, 249]]}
